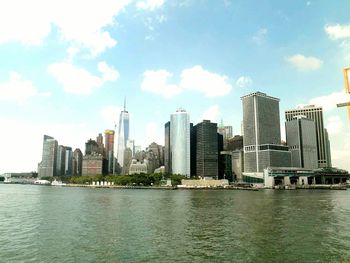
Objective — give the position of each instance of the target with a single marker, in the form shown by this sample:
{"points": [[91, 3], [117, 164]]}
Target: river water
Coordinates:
{"points": [[61, 224]]}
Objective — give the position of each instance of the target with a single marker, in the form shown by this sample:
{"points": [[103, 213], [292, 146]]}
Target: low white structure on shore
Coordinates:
{"points": [[203, 183]]}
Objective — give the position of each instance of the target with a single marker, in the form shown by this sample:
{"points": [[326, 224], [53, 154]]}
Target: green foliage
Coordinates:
{"points": [[131, 180], [176, 179]]}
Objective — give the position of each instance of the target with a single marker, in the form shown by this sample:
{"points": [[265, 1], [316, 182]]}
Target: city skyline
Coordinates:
{"points": [[67, 77]]}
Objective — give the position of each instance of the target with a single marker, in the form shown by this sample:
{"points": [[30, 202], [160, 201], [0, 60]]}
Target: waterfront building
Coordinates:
{"points": [[94, 164], [262, 136], [109, 149], [68, 170], [206, 147], [78, 162], [60, 160], [167, 150], [123, 134], [316, 114], [137, 167], [301, 139], [225, 165], [47, 166], [238, 164], [180, 142]]}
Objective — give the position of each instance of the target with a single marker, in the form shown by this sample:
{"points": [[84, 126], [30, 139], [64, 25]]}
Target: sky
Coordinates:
{"points": [[66, 66]]}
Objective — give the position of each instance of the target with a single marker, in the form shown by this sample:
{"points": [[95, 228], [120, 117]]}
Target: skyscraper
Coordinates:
{"points": [[301, 139], [123, 134], [226, 132], [167, 155], [109, 149], [315, 114], [78, 162], [262, 135], [60, 160], [68, 171], [47, 166], [206, 149], [180, 142]]}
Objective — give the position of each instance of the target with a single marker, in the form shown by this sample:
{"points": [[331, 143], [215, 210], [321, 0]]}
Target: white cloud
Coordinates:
{"points": [[260, 36], [244, 81], [153, 134], [334, 125], [329, 102], [30, 142], [337, 31], [17, 89], [212, 113], [110, 115], [308, 3], [203, 81], [303, 63], [149, 5], [156, 81], [81, 22], [195, 78], [108, 72], [77, 80]]}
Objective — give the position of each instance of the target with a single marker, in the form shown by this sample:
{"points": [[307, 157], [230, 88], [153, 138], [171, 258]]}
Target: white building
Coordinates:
{"points": [[180, 142]]}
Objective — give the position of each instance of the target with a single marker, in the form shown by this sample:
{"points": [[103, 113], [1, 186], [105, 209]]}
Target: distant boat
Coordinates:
{"points": [[42, 182], [57, 183]]}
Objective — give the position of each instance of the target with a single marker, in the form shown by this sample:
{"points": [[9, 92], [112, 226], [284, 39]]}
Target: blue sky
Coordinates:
{"points": [[66, 66]]}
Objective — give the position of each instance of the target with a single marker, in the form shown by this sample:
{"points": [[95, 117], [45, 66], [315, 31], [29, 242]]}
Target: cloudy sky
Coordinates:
{"points": [[65, 66]]}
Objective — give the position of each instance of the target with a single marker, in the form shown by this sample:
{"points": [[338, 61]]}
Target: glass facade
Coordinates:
{"points": [[180, 142], [123, 135]]}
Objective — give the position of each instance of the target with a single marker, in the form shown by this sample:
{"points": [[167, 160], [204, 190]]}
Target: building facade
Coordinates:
{"points": [[47, 166], [180, 142], [302, 142], [206, 140], [109, 149], [78, 162], [262, 135], [123, 135], [167, 150], [316, 114], [61, 160]]}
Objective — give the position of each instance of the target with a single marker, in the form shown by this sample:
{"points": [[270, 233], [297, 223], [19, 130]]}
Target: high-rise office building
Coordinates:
{"points": [[99, 140], [123, 134], [180, 142], [316, 114], [78, 162], [109, 149], [60, 160], [206, 140], [226, 132], [47, 166], [68, 171], [131, 144], [167, 151], [262, 135], [91, 147], [301, 139]]}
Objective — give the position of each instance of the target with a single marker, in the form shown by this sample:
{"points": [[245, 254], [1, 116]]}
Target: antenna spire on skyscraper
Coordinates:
{"points": [[124, 103]]}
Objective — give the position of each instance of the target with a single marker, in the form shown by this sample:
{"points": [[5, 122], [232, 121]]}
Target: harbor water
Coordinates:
{"points": [[68, 224]]}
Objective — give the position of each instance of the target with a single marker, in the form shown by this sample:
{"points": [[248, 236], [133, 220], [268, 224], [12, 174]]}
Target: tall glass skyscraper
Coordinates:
{"points": [[180, 142], [123, 135]]}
